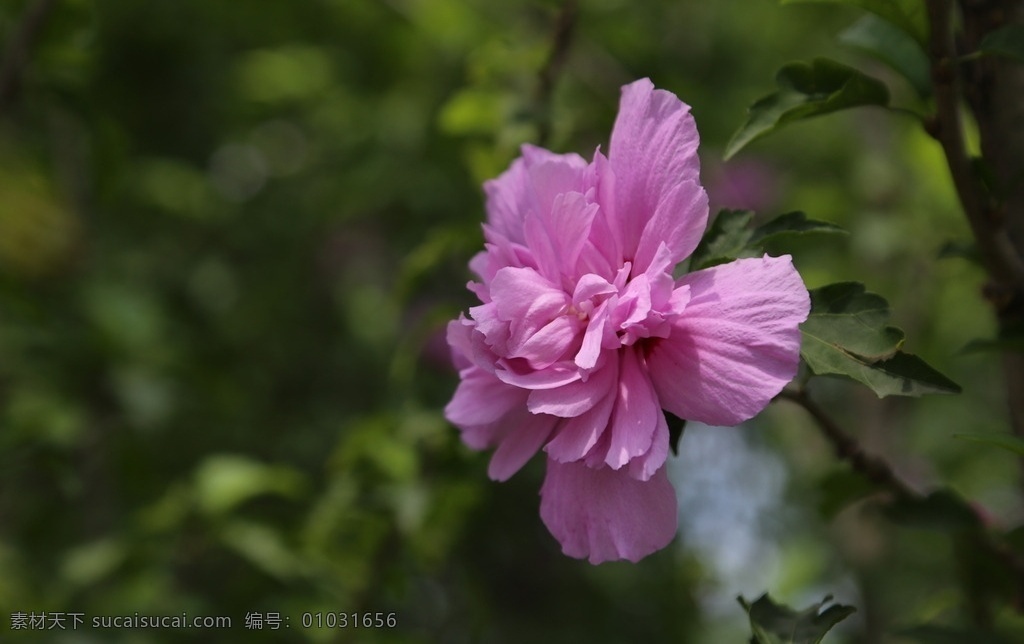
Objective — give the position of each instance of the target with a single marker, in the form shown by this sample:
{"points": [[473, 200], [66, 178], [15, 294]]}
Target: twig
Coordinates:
{"points": [[561, 40], [16, 55], [878, 471]]}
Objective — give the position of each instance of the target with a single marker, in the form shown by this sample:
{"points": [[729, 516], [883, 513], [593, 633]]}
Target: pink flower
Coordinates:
{"points": [[583, 336]]}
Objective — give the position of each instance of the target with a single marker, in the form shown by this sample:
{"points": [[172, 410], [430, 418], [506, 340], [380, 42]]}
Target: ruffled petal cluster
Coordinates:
{"points": [[583, 336]]}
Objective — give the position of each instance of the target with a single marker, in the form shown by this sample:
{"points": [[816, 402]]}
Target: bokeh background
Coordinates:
{"points": [[231, 234]]}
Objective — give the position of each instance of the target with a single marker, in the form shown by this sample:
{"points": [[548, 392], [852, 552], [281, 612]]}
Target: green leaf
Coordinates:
{"points": [[792, 223], [882, 40], [850, 320], [906, 374], [909, 15], [847, 335], [725, 240], [806, 90], [224, 481], [940, 510], [730, 235], [772, 623], [1006, 41], [1005, 441], [902, 375], [262, 546]]}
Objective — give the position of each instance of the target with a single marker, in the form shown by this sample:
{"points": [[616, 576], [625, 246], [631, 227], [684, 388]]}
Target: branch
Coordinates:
{"points": [[848, 449], [997, 250], [878, 471], [994, 91], [16, 55], [564, 26]]}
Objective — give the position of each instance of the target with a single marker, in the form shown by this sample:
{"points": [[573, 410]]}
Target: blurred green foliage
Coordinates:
{"points": [[231, 235]]}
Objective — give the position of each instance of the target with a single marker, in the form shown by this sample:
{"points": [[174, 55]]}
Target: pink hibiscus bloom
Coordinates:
{"points": [[583, 336]]}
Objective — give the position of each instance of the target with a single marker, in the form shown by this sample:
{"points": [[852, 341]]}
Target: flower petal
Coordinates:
{"points": [[530, 185], [637, 413], [576, 437], [468, 345], [644, 467], [575, 398], [549, 343], [593, 338], [557, 236], [679, 220], [736, 344], [481, 399], [552, 174], [605, 515], [653, 155], [523, 295], [507, 200], [556, 375], [526, 433]]}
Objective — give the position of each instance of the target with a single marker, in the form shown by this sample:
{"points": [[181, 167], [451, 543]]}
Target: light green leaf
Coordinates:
{"points": [[882, 40], [909, 15], [1005, 441], [1006, 41], [772, 623], [263, 547], [847, 335], [285, 74], [473, 111], [90, 563], [805, 90], [226, 480]]}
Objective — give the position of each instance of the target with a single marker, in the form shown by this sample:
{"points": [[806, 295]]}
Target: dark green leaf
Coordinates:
{"points": [[807, 90], [894, 47], [930, 634], [1006, 41], [847, 335], [725, 240], [940, 510], [908, 15], [772, 623], [903, 374], [846, 319], [730, 235], [1005, 441], [676, 427], [791, 223], [906, 374]]}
